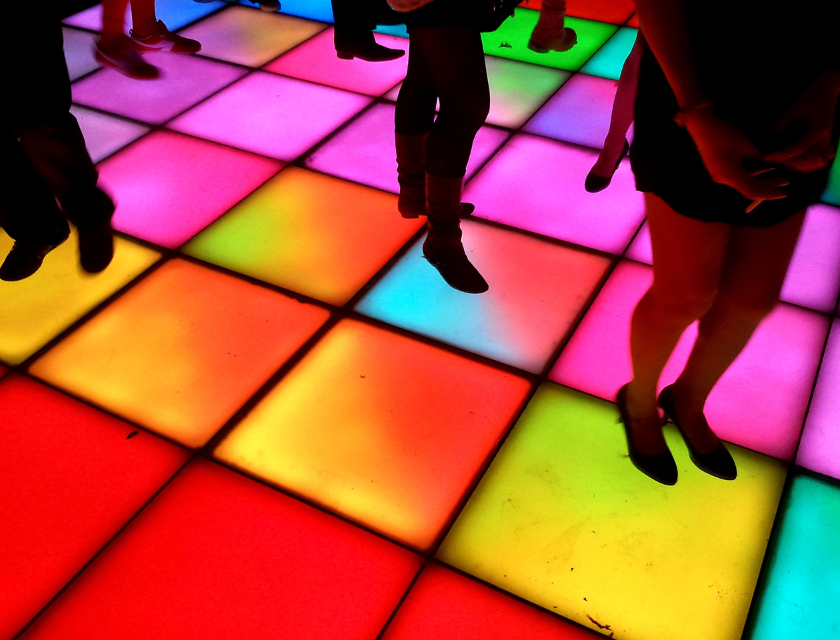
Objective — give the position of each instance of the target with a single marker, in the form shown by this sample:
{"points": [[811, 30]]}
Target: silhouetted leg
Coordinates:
{"points": [[353, 33]]}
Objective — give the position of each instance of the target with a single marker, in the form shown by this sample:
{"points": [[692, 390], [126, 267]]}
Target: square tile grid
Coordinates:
{"points": [[270, 418]]}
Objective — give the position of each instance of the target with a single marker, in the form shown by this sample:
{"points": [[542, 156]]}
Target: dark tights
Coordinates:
{"points": [[445, 62]]}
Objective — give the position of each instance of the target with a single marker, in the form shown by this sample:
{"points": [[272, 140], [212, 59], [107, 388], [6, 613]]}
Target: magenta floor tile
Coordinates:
{"points": [[364, 151], [168, 187], [78, 52], [316, 60], [813, 279], [820, 446], [271, 115], [580, 112], [185, 81], [105, 134], [537, 185], [759, 403]]}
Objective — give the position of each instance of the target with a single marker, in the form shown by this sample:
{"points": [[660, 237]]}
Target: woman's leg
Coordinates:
{"points": [[688, 257], [454, 59], [622, 113], [113, 21], [143, 18], [754, 270]]}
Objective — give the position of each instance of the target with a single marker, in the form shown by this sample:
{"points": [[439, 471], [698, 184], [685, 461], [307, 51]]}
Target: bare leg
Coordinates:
{"points": [[113, 21], [622, 112], [143, 17], [753, 273], [688, 260]]}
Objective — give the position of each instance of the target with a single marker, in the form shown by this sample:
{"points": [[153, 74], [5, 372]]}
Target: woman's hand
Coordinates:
{"points": [[727, 154], [814, 110]]}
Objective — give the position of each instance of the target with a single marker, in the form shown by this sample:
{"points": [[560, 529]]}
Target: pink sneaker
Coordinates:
{"points": [[122, 57], [162, 39]]}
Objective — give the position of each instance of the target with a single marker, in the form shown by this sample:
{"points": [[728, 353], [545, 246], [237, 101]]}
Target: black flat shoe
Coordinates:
{"points": [[595, 183], [369, 52], [660, 467], [718, 463]]}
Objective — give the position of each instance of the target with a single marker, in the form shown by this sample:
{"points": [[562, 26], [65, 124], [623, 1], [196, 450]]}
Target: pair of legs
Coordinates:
{"points": [[445, 62], [119, 52], [45, 147], [727, 276], [620, 120]]}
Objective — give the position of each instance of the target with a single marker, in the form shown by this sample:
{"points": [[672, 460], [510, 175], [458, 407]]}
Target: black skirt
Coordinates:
{"points": [[754, 61]]}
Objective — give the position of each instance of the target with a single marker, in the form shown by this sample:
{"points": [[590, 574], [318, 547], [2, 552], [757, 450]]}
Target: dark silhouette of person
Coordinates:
{"points": [[446, 62], [354, 24], [734, 139], [45, 152]]}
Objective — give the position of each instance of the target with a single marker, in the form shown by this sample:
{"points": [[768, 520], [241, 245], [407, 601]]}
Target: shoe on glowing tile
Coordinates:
{"points": [[24, 260], [162, 39], [123, 58], [565, 40]]}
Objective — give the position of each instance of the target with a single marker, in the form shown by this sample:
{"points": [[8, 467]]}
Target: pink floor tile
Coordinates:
{"points": [[272, 115], [813, 280], [168, 187], [78, 52], [316, 60], [71, 477], [218, 555], [105, 134], [759, 403], [185, 81], [580, 112], [364, 151], [820, 446], [537, 184]]}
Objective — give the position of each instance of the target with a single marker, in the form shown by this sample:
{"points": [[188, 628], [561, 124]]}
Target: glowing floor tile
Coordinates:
{"points": [[445, 604], [181, 351], [105, 134], [60, 502], [537, 289], [517, 90], [175, 13], [563, 519], [813, 279], [272, 115], [831, 195], [802, 584], [579, 113], [316, 61], [511, 41], [759, 403], [78, 52], [185, 81], [819, 449], [364, 151], [184, 185], [551, 200], [609, 60], [379, 427], [252, 38], [313, 9], [217, 555], [615, 11], [310, 233], [37, 309]]}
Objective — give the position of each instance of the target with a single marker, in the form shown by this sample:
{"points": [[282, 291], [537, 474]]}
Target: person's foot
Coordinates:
{"points": [[121, 56], [602, 172], [368, 51], [692, 422], [24, 260], [269, 6], [96, 246], [447, 255], [541, 42], [162, 39], [646, 445]]}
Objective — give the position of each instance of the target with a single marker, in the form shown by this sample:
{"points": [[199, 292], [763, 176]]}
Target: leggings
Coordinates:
{"points": [[445, 62]]}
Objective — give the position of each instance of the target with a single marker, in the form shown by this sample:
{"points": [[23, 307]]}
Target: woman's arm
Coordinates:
{"points": [[722, 147]]}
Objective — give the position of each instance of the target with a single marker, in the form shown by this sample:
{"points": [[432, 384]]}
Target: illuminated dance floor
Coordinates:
{"points": [[271, 418]]}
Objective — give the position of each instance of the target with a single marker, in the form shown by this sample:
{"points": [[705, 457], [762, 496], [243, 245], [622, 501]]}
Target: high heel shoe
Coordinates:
{"points": [[595, 183], [660, 467], [718, 463]]}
